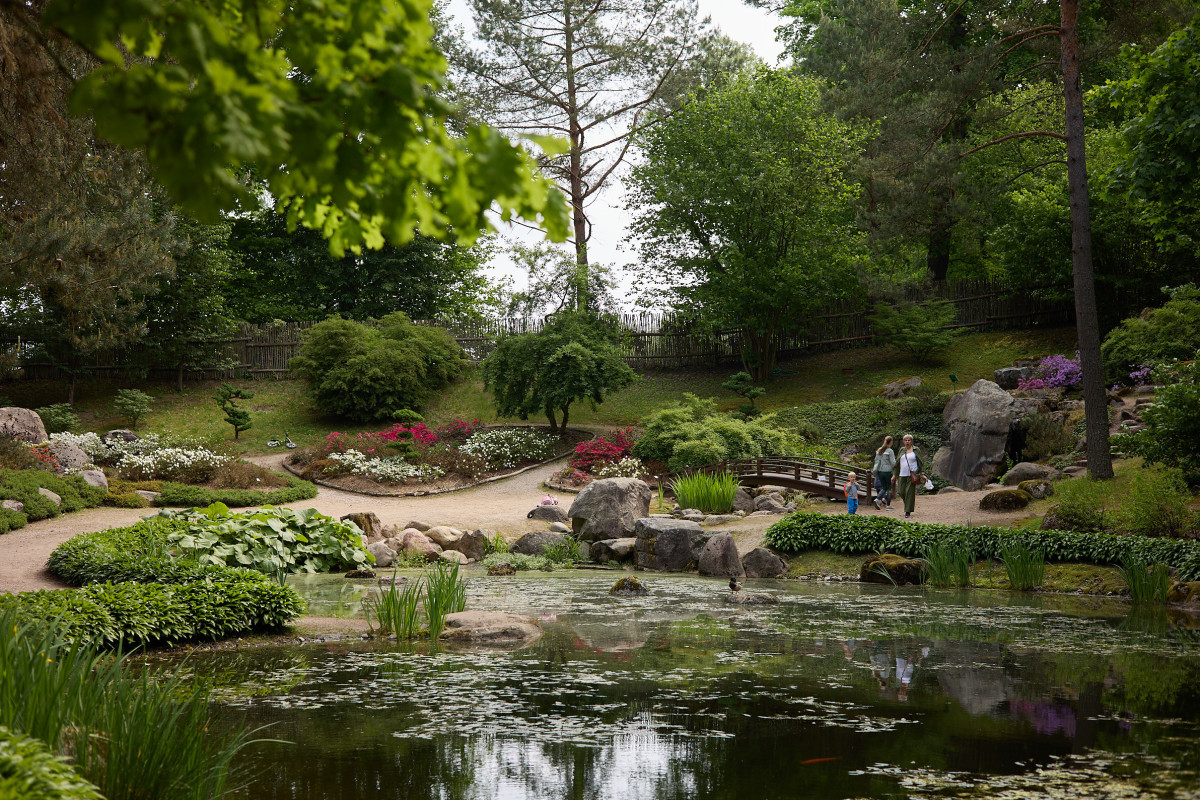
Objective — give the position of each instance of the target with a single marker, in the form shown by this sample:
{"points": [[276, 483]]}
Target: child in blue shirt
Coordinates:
{"points": [[851, 490]]}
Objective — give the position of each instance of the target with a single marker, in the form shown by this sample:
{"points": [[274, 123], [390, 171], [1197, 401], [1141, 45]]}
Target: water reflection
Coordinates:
{"points": [[837, 692]]}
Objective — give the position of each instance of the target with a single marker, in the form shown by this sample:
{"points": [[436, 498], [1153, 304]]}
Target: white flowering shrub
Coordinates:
{"points": [[628, 467], [189, 465], [385, 470], [89, 443], [509, 448]]}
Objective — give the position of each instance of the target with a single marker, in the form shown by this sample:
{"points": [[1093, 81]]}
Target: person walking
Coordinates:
{"points": [[910, 475], [884, 470]]}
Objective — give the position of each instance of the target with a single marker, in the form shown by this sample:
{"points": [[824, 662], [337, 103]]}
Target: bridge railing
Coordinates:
{"points": [[824, 476]]}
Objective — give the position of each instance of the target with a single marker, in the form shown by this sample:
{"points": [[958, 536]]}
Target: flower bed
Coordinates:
{"points": [[414, 458], [605, 456]]}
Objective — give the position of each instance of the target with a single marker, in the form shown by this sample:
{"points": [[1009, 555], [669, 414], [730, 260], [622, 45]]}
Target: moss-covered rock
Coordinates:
{"points": [[1184, 593], [1005, 500], [1038, 489], [891, 568], [629, 587]]}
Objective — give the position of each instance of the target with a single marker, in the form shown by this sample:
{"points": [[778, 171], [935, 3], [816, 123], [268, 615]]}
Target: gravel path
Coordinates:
{"points": [[500, 506]]}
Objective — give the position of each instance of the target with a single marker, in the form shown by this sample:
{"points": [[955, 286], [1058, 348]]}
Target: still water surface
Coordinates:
{"points": [[841, 691]]}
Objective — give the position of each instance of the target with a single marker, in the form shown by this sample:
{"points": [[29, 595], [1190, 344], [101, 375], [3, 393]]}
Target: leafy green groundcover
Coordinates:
{"points": [[23, 485], [135, 594], [182, 495], [29, 771], [853, 534]]}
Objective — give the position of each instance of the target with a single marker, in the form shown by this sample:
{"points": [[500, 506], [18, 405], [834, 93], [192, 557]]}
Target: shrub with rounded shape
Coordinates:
{"points": [[1169, 332], [367, 373]]}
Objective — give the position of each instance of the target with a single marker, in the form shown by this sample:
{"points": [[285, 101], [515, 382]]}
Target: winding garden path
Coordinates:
{"points": [[499, 506]]}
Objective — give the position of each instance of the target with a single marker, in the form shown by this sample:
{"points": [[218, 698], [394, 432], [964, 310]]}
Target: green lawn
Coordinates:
{"points": [[283, 405]]}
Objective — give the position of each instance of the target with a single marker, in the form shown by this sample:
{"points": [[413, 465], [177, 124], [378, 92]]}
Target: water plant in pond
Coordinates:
{"points": [[568, 552], [1148, 583], [396, 609], [133, 736], [712, 493], [947, 563], [1024, 566], [446, 593]]}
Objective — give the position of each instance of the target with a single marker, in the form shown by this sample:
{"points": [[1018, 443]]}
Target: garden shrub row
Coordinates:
{"points": [[134, 594], [181, 495], [29, 771], [22, 485], [854, 534]]}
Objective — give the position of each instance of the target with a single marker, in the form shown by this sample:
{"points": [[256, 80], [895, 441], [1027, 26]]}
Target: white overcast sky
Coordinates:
{"points": [[736, 20]]}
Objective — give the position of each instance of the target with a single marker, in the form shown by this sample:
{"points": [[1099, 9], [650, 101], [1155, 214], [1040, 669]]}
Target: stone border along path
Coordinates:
{"points": [[499, 506]]}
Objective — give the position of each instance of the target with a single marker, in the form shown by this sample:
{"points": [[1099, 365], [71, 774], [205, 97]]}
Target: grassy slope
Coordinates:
{"points": [[284, 405]]}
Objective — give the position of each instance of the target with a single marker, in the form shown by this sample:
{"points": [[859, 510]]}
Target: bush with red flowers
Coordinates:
{"points": [[590, 456]]}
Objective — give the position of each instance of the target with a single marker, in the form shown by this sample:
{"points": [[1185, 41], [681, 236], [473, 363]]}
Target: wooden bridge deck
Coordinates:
{"points": [[812, 476]]}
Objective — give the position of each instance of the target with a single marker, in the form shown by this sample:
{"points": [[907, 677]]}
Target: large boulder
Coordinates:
{"points": [[743, 500], [1038, 489], [490, 627], [609, 508], [548, 513], [1028, 471], [976, 425], [613, 550], [1005, 500], [383, 554], [771, 503], [413, 542], [70, 456], [535, 543], [473, 545], [897, 389], [667, 544], [49, 495], [762, 563], [452, 557], [1009, 377], [23, 424], [892, 569], [720, 557], [12, 505], [444, 536], [752, 599], [123, 434], [367, 522]]}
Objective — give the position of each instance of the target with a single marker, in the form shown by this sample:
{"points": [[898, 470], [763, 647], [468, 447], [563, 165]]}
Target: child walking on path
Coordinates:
{"points": [[883, 469], [851, 490]]}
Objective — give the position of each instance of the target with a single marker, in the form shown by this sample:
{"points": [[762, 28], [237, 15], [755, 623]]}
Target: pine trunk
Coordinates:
{"points": [[1095, 398]]}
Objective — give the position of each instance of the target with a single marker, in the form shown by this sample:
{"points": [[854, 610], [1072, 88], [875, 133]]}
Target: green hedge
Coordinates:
{"points": [[854, 534], [29, 771], [136, 554], [23, 485], [181, 495]]}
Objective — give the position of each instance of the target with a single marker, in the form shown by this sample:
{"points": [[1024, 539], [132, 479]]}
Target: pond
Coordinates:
{"points": [[841, 691]]}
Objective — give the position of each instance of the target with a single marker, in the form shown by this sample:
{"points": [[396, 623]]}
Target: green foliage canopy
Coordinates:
{"points": [[1161, 334], [334, 103], [917, 328], [744, 208], [574, 357]]}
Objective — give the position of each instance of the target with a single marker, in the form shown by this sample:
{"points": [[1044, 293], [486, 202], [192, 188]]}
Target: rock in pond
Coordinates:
{"points": [[502, 569], [629, 587], [666, 544], [752, 599], [383, 554], [720, 557], [609, 508], [361, 573], [536, 542], [613, 550], [762, 563], [891, 568], [490, 628]]}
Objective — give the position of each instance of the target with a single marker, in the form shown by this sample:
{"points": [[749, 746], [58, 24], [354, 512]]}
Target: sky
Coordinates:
{"points": [[609, 244]]}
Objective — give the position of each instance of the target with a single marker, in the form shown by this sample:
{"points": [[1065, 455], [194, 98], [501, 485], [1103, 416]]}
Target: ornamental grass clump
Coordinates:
{"points": [[396, 609], [712, 493], [1148, 583], [1024, 566], [947, 564], [445, 593]]}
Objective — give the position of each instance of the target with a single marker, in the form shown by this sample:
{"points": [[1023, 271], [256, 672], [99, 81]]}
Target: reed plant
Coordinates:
{"points": [[133, 736], [567, 552], [712, 493], [1024, 566], [446, 593], [1148, 584], [948, 564], [396, 609]]}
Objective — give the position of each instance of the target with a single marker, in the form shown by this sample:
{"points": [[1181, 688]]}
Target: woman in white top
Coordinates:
{"points": [[910, 475]]}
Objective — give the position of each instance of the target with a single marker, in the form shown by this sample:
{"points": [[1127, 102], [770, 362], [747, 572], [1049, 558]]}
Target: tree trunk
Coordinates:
{"points": [[71, 389], [937, 257], [1095, 398], [179, 378], [553, 421], [578, 219], [563, 430]]}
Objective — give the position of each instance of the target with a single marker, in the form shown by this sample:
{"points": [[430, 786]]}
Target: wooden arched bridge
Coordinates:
{"points": [[812, 476]]}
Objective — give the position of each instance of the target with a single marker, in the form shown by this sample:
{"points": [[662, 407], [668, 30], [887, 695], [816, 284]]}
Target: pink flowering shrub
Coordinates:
{"points": [[458, 431], [418, 432], [590, 456]]}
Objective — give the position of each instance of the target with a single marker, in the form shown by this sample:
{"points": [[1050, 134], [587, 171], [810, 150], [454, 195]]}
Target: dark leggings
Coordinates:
{"points": [[883, 487]]}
